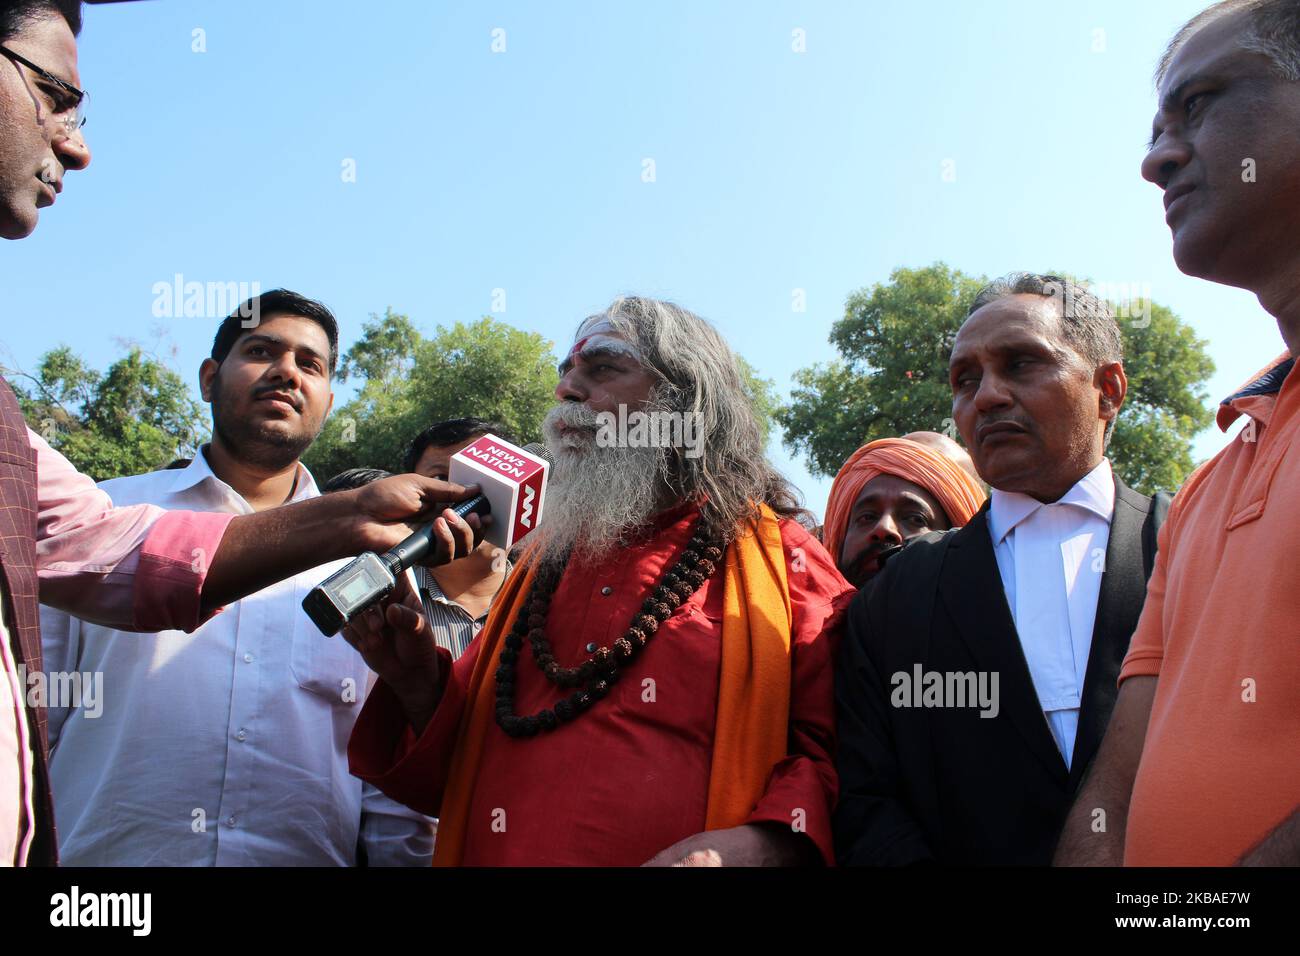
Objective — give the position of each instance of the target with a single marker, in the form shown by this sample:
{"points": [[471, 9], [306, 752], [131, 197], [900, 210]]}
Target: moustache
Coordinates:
{"points": [[573, 415], [1005, 419], [858, 564], [879, 553], [292, 399], [987, 427], [569, 427]]}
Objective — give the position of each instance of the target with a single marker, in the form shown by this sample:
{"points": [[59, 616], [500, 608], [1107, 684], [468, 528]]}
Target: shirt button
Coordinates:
{"points": [[242, 735], [248, 658], [591, 648], [607, 590], [230, 821]]}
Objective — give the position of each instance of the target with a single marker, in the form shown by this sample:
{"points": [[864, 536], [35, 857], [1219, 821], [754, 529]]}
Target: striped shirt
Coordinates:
{"points": [[453, 628]]}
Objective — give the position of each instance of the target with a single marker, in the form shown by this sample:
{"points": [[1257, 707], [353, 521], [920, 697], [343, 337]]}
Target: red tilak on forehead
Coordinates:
{"points": [[618, 345]]}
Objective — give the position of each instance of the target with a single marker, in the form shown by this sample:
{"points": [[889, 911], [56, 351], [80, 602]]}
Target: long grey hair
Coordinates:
{"points": [[697, 373]]}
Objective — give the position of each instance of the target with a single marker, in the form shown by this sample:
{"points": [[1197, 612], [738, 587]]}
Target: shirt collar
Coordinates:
{"points": [[430, 584], [199, 471], [1094, 492], [426, 580], [1257, 397]]}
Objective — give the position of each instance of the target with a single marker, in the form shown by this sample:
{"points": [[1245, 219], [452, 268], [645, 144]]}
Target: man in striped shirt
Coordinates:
{"points": [[456, 597]]}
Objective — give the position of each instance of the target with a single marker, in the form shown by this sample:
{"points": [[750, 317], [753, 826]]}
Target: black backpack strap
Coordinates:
{"points": [[1151, 529]]}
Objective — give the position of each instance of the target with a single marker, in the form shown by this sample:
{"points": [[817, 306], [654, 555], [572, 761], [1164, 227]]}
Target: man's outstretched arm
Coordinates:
{"points": [[91, 556], [259, 549], [1094, 829]]}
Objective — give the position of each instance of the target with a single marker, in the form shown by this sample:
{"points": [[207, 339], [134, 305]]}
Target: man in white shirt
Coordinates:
{"points": [[226, 746], [980, 668], [1046, 553]]}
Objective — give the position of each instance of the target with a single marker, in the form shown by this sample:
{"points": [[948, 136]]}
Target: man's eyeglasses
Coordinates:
{"points": [[73, 116]]}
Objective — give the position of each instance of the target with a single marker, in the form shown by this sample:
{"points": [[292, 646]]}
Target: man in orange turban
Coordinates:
{"points": [[890, 491]]}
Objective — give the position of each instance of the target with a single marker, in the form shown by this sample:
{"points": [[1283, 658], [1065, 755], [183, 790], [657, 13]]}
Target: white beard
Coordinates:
{"points": [[598, 498]]}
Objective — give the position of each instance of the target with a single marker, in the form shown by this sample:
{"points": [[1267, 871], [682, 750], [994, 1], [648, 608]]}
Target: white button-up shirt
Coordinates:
{"points": [[224, 747], [1051, 558]]}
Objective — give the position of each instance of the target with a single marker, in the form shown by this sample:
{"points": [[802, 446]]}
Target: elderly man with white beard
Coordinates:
{"points": [[654, 683]]}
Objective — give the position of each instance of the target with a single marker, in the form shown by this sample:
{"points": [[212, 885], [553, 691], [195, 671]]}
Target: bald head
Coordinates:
{"points": [[946, 447]]}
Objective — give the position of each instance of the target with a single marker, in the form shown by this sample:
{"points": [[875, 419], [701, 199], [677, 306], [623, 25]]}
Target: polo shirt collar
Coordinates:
{"points": [[1257, 397]]}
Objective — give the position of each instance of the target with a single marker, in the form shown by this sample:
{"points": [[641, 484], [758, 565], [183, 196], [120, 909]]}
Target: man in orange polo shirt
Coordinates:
{"points": [[1201, 763]]}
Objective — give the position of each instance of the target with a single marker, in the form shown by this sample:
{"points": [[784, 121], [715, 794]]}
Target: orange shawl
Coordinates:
{"points": [[753, 696]]}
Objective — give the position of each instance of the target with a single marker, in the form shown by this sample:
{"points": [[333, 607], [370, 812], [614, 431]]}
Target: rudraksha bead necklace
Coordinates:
{"points": [[594, 675]]}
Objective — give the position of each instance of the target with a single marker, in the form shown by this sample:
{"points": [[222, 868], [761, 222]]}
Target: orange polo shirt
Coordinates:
{"points": [[1221, 630]]}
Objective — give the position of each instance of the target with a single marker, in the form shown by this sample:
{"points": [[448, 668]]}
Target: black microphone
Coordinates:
{"points": [[369, 577], [408, 552]]}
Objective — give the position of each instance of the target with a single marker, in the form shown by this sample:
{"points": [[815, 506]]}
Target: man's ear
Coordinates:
{"points": [[208, 372], [1111, 381]]}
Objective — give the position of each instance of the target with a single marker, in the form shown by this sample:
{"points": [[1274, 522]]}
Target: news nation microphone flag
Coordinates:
{"points": [[512, 479], [513, 482]]}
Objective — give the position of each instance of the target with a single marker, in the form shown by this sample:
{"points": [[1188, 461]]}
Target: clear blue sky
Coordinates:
{"points": [[522, 170]]}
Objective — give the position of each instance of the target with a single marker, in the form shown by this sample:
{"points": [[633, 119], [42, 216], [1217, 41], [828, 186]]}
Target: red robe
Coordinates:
{"points": [[630, 776]]}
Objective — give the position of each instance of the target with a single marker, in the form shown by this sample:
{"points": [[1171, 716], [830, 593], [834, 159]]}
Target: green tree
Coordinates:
{"points": [[139, 415], [892, 378], [386, 351], [486, 369], [763, 395], [136, 417]]}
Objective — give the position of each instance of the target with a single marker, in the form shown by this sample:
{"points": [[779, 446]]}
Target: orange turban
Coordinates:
{"points": [[957, 492]]}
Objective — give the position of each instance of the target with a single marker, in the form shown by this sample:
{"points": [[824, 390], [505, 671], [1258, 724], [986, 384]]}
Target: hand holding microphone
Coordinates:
{"points": [[385, 512], [513, 482]]}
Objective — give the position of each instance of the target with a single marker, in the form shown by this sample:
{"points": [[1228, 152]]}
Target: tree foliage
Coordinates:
{"points": [[763, 395], [135, 417], [139, 414], [486, 369], [892, 378]]}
